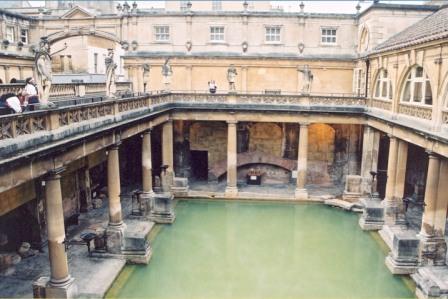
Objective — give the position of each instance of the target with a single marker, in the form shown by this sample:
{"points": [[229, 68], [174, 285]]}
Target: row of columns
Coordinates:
{"points": [[60, 279], [232, 161], [432, 249]]}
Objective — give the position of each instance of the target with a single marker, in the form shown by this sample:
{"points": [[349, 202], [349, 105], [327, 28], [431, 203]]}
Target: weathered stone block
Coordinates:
{"points": [[180, 187], [403, 259], [373, 215], [115, 238], [42, 288], [162, 208], [431, 282]]}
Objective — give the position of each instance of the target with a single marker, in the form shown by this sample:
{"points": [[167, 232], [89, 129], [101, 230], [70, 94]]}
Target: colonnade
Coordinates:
{"points": [[432, 248], [60, 284]]}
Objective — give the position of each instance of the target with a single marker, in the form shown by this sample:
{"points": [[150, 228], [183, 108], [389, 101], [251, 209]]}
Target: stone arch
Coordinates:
{"points": [[444, 92], [266, 138], [252, 158], [60, 35], [364, 38], [85, 53]]}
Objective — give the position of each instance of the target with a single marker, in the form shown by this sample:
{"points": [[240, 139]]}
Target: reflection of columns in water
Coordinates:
{"points": [[302, 161], [56, 230], [113, 186], [231, 158], [146, 162]]}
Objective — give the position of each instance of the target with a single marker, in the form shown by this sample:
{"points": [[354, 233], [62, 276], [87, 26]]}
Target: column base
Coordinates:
{"points": [[394, 212], [144, 205], [372, 215], [180, 187], [431, 282], [43, 288], [115, 238], [301, 194], [403, 259], [162, 210], [231, 192], [388, 233], [432, 251]]}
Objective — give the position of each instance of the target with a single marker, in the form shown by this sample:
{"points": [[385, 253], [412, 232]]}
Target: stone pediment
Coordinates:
{"points": [[77, 12]]}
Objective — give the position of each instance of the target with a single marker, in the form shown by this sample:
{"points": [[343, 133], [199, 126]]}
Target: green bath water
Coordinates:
{"points": [[231, 249]]}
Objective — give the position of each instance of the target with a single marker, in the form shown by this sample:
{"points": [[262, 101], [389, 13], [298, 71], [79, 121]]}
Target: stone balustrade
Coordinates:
{"points": [[416, 111], [68, 89], [445, 117], [381, 104], [15, 125]]}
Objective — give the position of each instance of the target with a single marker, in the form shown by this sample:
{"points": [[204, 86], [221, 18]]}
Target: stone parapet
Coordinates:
{"points": [[372, 217], [403, 259]]}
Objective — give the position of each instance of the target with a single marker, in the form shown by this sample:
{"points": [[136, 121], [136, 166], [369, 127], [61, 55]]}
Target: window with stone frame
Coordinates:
{"points": [[358, 82], [217, 34], [273, 34], [161, 33], [417, 88], [328, 36], [383, 86], [24, 36], [10, 34]]}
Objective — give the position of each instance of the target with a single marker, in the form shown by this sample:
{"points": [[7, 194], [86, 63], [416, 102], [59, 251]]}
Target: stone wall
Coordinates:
{"points": [[211, 137], [266, 138]]}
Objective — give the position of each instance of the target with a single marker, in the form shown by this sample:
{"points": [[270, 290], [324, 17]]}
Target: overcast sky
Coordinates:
{"points": [[347, 6]]}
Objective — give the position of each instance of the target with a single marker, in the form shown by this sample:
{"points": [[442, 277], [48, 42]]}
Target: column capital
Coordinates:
{"points": [[391, 136], [146, 132], [55, 174], [232, 122], [304, 124], [432, 155], [168, 121], [115, 146]]}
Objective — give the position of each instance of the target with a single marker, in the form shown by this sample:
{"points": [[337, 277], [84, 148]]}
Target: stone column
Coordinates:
{"points": [[167, 175], [432, 250], [56, 229], [231, 189], [60, 284], [370, 148], [400, 178], [147, 163], [113, 186], [115, 229], [389, 200], [301, 192]]}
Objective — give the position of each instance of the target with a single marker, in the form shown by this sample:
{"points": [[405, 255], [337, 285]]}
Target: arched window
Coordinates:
{"points": [[383, 86], [417, 89], [364, 40]]}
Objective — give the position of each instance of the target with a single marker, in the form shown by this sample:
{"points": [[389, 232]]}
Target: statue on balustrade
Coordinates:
{"points": [[307, 79], [146, 70], [167, 73], [231, 77], [111, 66]]}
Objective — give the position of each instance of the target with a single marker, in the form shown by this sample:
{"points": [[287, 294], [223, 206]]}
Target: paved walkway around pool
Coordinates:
{"points": [[93, 276]]}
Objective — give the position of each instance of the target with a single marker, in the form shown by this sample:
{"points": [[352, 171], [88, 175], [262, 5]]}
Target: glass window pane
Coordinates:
{"points": [[390, 91], [377, 89], [419, 72], [418, 86], [384, 90], [407, 92], [428, 94]]}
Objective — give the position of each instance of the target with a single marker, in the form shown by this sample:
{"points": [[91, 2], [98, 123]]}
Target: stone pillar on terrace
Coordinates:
{"points": [[147, 192], [60, 284], [231, 189], [389, 202], [116, 227], [167, 175], [432, 250], [301, 192], [400, 181], [370, 150]]}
